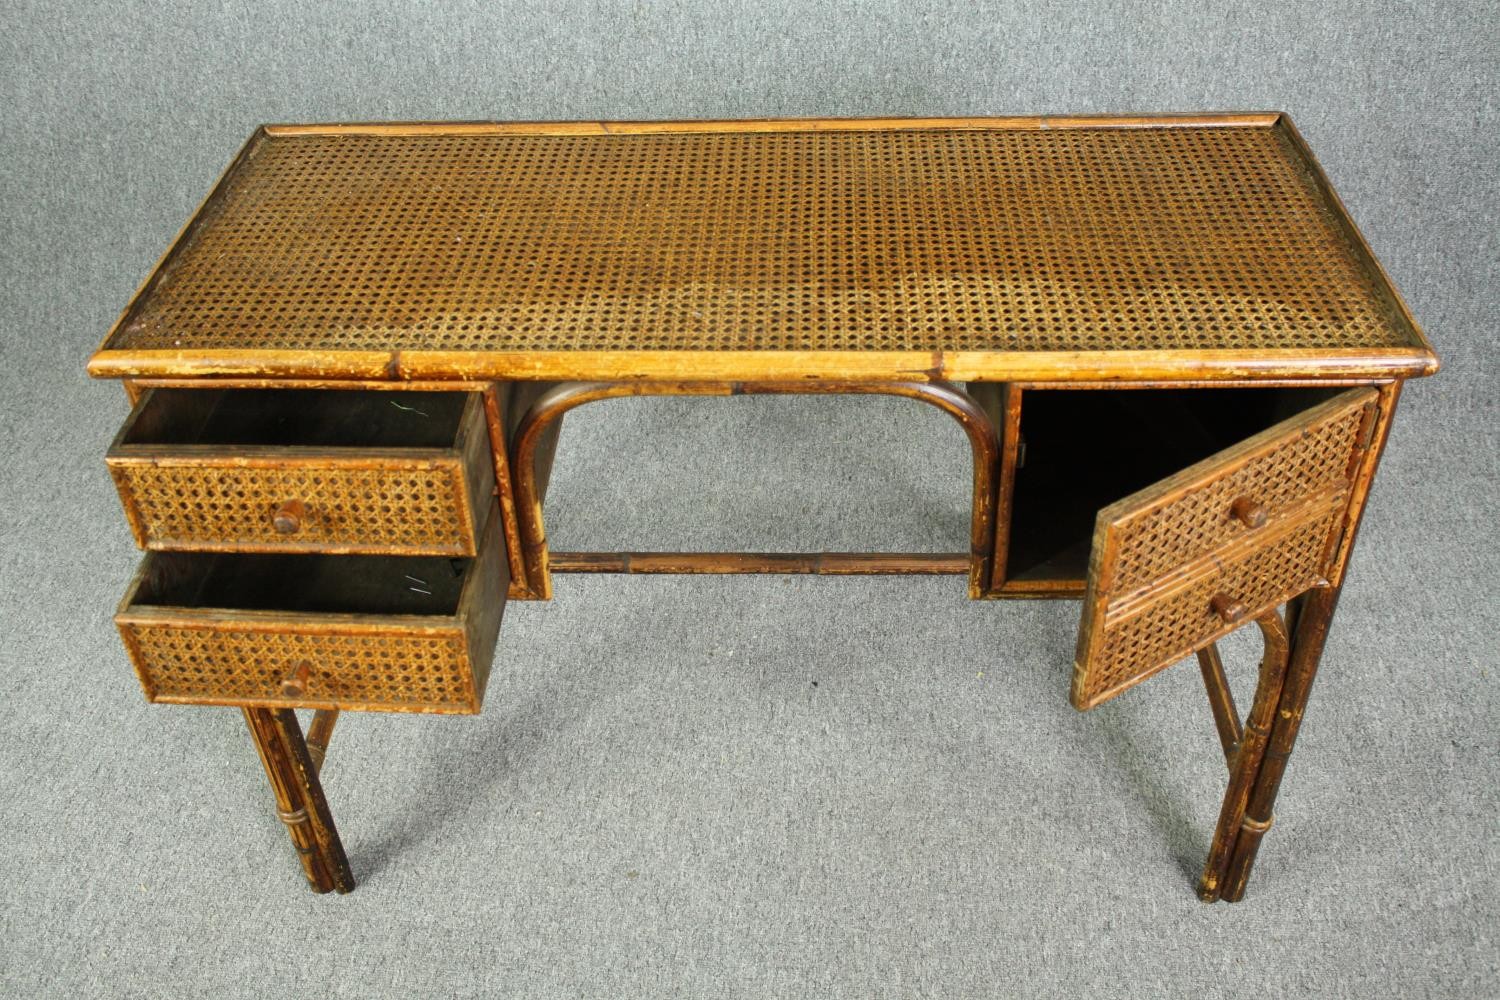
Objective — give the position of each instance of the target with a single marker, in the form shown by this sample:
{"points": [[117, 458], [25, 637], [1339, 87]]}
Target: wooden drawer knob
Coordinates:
{"points": [[294, 685], [1227, 608], [1250, 513], [288, 517]]}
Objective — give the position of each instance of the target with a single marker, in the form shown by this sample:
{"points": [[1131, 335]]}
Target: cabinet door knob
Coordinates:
{"points": [[1250, 513], [288, 517], [1228, 608], [294, 685]]}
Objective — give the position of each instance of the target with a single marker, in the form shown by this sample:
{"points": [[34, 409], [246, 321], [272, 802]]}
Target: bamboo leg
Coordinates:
{"points": [[1226, 716], [1314, 615], [1248, 756], [299, 797]]}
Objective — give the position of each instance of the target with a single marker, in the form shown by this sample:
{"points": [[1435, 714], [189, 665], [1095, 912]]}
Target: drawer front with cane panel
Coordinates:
{"points": [[1136, 641], [305, 471], [1254, 495], [317, 631]]}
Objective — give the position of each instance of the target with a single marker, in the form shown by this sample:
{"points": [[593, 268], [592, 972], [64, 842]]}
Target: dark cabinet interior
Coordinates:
{"points": [[1081, 450]]}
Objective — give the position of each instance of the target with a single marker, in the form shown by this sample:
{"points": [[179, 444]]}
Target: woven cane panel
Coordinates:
{"points": [[352, 671], [918, 240], [394, 509], [1164, 537], [1181, 623]]}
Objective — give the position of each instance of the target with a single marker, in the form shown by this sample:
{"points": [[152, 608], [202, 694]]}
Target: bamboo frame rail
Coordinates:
{"points": [[548, 409]]}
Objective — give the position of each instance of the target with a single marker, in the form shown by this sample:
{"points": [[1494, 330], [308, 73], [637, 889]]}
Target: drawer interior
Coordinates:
{"points": [[321, 584], [334, 418], [1086, 448]]}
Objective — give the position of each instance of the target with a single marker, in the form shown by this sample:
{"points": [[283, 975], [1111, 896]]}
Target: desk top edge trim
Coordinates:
{"points": [[1312, 364], [1014, 122]]}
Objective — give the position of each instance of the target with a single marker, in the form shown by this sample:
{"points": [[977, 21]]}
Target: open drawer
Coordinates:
{"points": [[1186, 560], [378, 633], [305, 470]]}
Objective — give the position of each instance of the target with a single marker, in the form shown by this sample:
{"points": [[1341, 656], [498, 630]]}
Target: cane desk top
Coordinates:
{"points": [[1083, 249]]}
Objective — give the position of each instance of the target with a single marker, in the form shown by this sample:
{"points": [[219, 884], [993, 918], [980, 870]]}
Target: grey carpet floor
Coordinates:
{"points": [[748, 786]]}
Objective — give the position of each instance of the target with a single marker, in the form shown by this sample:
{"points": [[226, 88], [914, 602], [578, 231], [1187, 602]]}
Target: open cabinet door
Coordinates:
{"points": [[1187, 560]]}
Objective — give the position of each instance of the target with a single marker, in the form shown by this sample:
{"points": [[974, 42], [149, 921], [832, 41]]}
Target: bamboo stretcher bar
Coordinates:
{"points": [[814, 563], [1221, 701], [319, 733]]}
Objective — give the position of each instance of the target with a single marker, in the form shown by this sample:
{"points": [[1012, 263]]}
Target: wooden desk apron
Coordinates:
{"points": [[1174, 358]]}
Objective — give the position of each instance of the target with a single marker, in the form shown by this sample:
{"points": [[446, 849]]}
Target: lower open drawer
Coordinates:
{"points": [[378, 633]]}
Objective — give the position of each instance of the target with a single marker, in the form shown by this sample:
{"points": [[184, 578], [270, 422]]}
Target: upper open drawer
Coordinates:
{"points": [[303, 470]]}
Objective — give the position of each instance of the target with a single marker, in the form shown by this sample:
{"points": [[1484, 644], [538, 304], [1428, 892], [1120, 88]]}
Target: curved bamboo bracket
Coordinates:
{"points": [[550, 406]]}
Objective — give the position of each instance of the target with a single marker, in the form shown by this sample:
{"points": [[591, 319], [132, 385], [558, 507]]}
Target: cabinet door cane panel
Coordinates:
{"points": [[1173, 355]]}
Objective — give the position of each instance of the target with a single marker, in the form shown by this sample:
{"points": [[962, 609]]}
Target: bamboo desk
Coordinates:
{"points": [[1174, 358]]}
